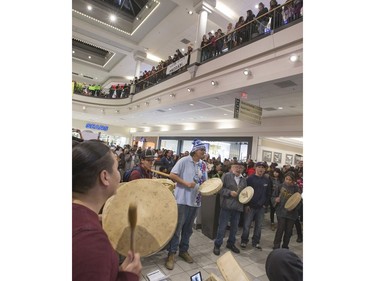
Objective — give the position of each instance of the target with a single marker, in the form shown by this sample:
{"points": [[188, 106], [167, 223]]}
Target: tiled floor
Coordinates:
{"points": [[250, 259]]}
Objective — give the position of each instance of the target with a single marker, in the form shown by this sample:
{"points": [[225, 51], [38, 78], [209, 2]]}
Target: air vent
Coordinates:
{"points": [[285, 84], [88, 77], [160, 110], [185, 41], [269, 109]]}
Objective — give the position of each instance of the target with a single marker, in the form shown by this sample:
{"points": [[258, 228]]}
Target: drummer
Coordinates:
{"points": [[143, 169], [231, 208], [189, 173], [95, 179], [285, 218]]}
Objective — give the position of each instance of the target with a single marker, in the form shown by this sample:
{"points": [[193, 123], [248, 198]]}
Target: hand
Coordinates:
{"points": [[233, 194], [191, 184], [132, 263]]}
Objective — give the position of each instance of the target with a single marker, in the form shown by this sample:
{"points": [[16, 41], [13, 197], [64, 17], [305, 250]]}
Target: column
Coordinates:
{"points": [[203, 8]]}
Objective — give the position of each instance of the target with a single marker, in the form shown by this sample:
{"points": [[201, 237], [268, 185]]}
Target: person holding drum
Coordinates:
{"points": [[285, 217], [189, 173], [231, 208], [254, 210], [95, 179]]}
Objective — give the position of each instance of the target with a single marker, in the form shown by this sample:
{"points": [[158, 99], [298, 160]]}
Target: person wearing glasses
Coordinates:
{"points": [[143, 169], [189, 173]]}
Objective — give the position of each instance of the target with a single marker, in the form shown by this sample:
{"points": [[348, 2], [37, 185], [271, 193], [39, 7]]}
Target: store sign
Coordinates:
{"points": [[96, 127], [247, 112]]}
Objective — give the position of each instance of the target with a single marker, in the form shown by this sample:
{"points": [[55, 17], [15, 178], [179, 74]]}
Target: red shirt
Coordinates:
{"points": [[94, 258]]}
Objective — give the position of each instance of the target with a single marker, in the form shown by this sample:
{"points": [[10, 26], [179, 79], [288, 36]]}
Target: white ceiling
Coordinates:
{"points": [[161, 34]]}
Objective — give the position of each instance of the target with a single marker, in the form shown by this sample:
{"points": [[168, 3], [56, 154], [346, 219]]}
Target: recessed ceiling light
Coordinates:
{"points": [[169, 108], [190, 12], [84, 107], [112, 17], [280, 107], [246, 72], [89, 57], [293, 58], [89, 7], [192, 104], [214, 83], [117, 111], [189, 90], [73, 51]]}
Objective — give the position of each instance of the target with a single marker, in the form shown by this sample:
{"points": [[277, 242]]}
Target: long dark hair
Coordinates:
{"points": [[89, 159]]}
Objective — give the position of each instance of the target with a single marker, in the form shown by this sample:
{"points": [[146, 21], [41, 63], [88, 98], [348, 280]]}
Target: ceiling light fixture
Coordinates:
{"points": [[189, 90], [89, 7], [117, 111], [102, 110], [173, 95], [214, 83], [190, 12], [246, 72], [84, 108], [293, 58]]}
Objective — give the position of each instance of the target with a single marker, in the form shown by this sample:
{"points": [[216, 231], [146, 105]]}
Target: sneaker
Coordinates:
{"points": [[243, 245], [169, 264], [186, 257], [233, 248], [217, 251], [257, 246]]}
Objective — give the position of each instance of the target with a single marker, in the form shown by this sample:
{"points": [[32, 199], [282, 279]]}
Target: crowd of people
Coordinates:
{"points": [[213, 44], [98, 170], [266, 20]]}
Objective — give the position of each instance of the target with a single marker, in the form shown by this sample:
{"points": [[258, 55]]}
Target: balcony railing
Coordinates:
{"points": [[277, 19]]}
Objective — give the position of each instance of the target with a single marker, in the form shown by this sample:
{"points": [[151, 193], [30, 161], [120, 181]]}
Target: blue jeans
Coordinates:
{"points": [[248, 217], [227, 215], [186, 216]]}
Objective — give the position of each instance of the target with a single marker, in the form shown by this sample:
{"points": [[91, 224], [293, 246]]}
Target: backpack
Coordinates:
{"points": [[126, 176]]}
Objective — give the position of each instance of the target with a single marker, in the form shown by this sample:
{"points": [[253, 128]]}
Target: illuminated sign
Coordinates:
{"points": [[96, 127]]}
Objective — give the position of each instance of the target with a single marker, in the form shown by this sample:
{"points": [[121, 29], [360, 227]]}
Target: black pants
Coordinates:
{"points": [[283, 232]]}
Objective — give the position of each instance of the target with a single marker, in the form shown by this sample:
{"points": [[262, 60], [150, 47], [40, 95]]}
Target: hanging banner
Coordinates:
{"points": [[247, 112], [177, 65]]}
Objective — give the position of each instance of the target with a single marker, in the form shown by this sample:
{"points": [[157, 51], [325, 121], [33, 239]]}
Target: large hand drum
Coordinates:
{"points": [[293, 201], [167, 183], [210, 186], [246, 194], [156, 216]]}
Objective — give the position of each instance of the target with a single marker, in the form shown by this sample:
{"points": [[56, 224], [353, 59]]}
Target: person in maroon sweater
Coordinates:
{"points": [[95, 179]]}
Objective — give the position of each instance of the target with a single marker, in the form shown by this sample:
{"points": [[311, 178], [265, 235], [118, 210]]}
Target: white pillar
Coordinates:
{"points": [[137, 68], [202, 8], [202, 26]]}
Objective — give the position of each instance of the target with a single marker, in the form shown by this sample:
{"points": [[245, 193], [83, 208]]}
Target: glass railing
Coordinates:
{"points": [[277, 19]]}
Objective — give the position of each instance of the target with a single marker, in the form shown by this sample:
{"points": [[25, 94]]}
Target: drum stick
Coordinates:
{"points": [[160, 173], [132, 216]]}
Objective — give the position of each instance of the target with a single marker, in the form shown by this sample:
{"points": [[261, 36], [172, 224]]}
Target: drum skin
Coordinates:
{"points": [[246, 194], [293, 201], [156, 216], [211, 186]]}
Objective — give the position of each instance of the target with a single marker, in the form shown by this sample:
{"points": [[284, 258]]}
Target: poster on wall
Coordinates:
{"points": [[266, 155], [288, 159], [297, 158], [277, 157]]}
